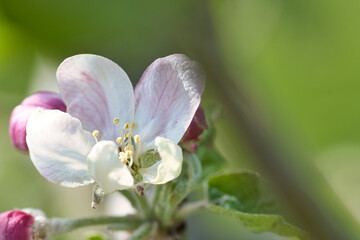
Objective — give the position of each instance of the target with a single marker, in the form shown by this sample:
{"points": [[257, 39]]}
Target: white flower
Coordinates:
{"points": [[112, 134]]}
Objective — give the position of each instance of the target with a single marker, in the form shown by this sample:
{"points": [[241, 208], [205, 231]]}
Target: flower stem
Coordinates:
{"points": [[157, 191], [59, 226], [144, 231], [72, 224], [138, 202], [189, 209]]}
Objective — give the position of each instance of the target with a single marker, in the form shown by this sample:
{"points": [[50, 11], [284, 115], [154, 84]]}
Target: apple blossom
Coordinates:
{"points": [[112, 134], [21, 114]]}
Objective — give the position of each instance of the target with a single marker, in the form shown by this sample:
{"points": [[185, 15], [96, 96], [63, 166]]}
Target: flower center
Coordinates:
{"points": [[127, 142]]}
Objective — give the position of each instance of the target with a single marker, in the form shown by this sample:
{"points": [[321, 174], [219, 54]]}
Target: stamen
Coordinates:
{"points": [[137, 138], [129, 135], [126, 126], [131, 161], [133, 125], [119, 140], [116, 121], [95, 133], [121, 133]]}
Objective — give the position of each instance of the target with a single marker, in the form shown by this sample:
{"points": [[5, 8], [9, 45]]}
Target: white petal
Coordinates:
{"points": [[106, 169], [58, 147], [170, 165], [167, 97], [96, 90]]}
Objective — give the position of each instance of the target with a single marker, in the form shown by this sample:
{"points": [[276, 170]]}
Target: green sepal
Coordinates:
{"points": [[138, 178], [148, 159]]}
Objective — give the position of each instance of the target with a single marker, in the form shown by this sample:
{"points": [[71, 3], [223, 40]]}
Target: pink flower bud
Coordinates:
{"points": [[16, 225], [21, 113], [192, 135]]}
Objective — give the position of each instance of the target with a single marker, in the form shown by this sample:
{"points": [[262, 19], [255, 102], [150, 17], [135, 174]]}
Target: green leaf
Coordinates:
{"points": [[261, 222], [243, 197], [243, 188]]}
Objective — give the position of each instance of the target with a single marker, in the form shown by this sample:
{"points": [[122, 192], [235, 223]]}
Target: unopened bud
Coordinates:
{"points": [[15, 225], [21, 114], [192, 135], [31, 224]]}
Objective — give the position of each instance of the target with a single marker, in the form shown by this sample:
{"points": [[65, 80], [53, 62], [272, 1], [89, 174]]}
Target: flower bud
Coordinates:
{"points": [[191, 137], [16, 225], [21, 114]]}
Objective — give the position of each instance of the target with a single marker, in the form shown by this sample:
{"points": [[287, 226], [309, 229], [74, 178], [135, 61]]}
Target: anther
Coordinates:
{"points": [[122, 157], [119, 140], [129, 135], [129, 148], [116, 121], [95, 133], [126, 126], [123, 160], [133, 125], [137, 138], [128, 153]]}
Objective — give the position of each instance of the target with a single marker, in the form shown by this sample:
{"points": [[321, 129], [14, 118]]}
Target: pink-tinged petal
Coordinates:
{"points": [[58, 147], [96, 90], [167, 96], [46, 100], [20, 115], [16, 225]]}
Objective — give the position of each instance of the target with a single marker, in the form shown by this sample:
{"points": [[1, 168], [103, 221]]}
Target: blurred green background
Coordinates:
{"points": [[297, 60]]}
